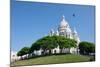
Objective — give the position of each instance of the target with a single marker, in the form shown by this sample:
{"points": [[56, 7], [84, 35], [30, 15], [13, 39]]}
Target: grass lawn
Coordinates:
{"points": [[53, 59]]}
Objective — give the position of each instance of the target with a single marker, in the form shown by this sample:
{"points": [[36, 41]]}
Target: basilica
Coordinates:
{"points": [[63, 30]]}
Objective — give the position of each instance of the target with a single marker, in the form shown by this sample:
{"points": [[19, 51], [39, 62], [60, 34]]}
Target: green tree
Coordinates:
{"points": [[23, 51], [51, 42], [35, 46], [48, 43], [66, 43], [70, 43], [45, 43], [86, 47]]}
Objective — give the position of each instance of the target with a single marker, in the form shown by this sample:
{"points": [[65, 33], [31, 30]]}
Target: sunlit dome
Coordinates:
{"points": [[63, 23]]}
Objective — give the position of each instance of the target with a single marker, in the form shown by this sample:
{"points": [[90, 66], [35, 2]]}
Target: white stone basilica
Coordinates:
{"points": [[63, 30]]}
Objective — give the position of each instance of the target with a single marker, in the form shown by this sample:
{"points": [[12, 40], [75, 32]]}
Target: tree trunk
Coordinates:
{"points": [[69, 50], [61, 50], [21, 58], [50, 51]]}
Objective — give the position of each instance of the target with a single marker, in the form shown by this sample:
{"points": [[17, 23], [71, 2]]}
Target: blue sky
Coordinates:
{"points": [[31, 21]]}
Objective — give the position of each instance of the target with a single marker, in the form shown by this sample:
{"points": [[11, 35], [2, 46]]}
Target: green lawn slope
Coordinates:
{"points": [[53, 59]]}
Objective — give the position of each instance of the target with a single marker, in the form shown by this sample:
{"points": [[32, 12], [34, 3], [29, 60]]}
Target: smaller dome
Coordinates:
{"points": [[63, 23]]}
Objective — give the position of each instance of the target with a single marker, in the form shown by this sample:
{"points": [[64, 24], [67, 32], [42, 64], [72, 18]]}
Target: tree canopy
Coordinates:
{"points": [[86, 47], [23, 51], [51, 42]]}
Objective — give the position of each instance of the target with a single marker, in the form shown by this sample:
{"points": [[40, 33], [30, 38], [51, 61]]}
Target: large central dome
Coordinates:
{"points": [[63, 23]]}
